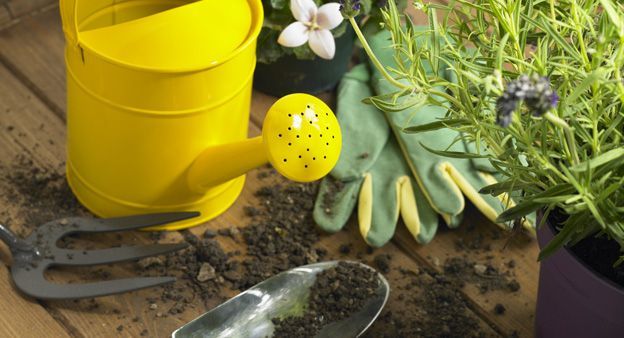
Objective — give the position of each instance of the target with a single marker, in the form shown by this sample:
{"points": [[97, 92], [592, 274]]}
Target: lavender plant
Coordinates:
{"points": [[537, 85]]}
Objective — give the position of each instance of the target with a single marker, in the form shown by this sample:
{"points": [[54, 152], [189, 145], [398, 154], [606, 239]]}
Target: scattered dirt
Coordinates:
{"points": [[484, 276], [430, 305], [42, 195], [282, 233], [278, 234], [382, 262], [335, 295]]}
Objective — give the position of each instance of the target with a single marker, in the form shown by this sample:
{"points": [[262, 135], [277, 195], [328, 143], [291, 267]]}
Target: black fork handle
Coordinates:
{"points": [[15, 244]]}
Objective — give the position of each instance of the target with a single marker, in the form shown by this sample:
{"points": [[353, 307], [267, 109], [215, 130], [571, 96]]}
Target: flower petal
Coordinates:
{"points": [[329, 16], [322, 43], [303, 10], [294, 35]]}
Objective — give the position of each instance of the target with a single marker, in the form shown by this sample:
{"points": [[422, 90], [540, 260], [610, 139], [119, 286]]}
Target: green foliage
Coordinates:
{"points": [[277, 16], [571, 158]]}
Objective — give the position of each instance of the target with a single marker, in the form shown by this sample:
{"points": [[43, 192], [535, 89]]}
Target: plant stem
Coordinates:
{"points": [[569, 133], [373, 57]]}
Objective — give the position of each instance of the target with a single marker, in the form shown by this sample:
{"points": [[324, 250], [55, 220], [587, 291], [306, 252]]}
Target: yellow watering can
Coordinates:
{"points": [[158, 97]]}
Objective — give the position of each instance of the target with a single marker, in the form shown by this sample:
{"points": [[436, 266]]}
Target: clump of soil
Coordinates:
{"points": [[382, 262], [201, 270], [336, 294], [282, 233]]}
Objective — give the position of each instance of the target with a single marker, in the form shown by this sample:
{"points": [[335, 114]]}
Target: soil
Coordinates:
{"points": [[598, 252], [277, 234], [431, 305], [335, 295], [41, 194], [280, 235]]}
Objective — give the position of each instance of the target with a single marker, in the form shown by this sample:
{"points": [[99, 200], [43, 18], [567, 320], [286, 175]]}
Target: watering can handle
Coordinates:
{"points": [[69, 10]]}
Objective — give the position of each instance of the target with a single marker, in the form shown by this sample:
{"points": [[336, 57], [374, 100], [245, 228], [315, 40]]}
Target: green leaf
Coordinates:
{"points": [[453, 154], [529, 205], [518, 211], [543, 24], [504, 187], [340, 30], [611, 155], [615, 18], [304, 52], [446, 123], [396, 102], [593, 77]]}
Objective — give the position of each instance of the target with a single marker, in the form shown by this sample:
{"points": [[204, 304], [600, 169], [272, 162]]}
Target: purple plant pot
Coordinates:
{"points": [[574, 301]]}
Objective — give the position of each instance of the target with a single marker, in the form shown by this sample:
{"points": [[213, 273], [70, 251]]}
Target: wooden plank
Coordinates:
{"points": [[20, 7], [33, 51], [5, 16], [19, 317]]}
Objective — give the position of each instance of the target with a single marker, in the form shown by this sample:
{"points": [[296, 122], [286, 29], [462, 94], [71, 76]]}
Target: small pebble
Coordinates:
{"points": [[206, 272], [499, 309], [480, 269]]}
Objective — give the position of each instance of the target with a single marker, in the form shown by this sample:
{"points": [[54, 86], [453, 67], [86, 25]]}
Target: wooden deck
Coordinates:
{"points": [[32, 125]]}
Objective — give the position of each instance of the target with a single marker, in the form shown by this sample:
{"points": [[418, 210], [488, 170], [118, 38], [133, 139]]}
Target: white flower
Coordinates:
{"points": [[313, 25]]}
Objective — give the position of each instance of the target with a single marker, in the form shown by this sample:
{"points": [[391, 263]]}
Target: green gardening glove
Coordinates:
{"points": [[371, 172], [444, 181]]}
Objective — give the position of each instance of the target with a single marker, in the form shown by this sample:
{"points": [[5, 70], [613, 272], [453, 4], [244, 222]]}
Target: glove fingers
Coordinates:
{"points": [[378, 208], [335, 203], [419, 218], [377, 224], [470, 182]]}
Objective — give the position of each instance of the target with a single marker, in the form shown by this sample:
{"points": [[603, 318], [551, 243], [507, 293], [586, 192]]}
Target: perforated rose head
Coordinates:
{"points": [[302, 137]]}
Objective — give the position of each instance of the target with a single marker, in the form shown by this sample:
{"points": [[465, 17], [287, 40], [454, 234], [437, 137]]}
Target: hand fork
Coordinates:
{"points": [[36, 253]]}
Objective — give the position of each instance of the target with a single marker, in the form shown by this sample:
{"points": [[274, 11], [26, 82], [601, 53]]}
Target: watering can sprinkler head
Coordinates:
{"points": [[301, 138]]}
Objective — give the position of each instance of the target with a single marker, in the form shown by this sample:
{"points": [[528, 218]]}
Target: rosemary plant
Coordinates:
{"points": [[537, 85]]}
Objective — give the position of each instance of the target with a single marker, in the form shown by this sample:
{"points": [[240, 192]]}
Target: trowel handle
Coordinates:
{"points": [[222, 163]]}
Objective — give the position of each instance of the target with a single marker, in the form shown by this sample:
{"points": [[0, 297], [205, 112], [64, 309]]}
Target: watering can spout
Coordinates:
{"points": [[300, 137]]}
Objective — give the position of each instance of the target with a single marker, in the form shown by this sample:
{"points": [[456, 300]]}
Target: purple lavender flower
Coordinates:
{"points": [[536, 93], [350, 8]]}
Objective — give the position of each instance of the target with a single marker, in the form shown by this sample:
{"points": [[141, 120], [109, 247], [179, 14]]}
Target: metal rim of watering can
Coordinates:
{"points": [[254, 30]]}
